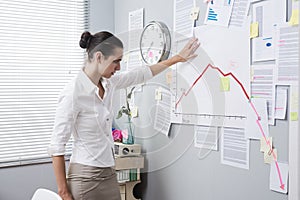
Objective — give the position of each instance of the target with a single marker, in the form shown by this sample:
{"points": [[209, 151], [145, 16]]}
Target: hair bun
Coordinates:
{"points": [[85, 39]]}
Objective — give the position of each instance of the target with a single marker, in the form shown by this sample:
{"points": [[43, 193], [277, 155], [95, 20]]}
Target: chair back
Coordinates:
{"points": [[45, 194]]}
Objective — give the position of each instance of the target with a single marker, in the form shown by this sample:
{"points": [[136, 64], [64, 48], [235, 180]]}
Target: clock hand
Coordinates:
{"points": [[150, 46]]}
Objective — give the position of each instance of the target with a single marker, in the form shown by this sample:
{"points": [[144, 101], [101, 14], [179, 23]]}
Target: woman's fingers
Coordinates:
{"points": [[195, 47], [192, 47], [189, 50], [191, 43]]}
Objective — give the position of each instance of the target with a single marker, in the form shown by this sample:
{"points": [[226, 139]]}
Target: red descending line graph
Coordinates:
{"points": [[199, 77], [252, 106]]}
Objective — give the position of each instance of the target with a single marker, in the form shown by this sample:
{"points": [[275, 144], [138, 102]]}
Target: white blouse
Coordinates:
{"points": [[82, 113]]}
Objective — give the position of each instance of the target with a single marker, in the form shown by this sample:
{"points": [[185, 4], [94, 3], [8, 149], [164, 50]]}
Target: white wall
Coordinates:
{"points": [[173, 170], [102, 15]]}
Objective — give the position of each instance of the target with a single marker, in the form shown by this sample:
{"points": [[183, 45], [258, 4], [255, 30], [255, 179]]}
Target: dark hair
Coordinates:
{"points": [[103, 41]]}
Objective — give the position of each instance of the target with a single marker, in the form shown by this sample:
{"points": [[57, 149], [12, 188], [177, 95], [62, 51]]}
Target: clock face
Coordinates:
{"points": [[154, 43]]}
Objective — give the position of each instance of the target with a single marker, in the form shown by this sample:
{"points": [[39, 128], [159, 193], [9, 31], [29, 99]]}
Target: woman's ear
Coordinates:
{"points": [[99, 56]]}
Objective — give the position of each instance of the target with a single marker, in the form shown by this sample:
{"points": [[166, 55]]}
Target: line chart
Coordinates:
{"points": [[206, 68], [184, 94]]}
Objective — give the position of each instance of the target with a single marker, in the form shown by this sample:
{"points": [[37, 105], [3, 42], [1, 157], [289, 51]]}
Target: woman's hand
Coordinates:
{"points": [[60, 174], [66, 196], [188, 51], [185, 54]]}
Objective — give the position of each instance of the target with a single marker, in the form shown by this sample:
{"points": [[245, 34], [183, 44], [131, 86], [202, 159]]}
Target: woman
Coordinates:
{"points": [[85, 111]]}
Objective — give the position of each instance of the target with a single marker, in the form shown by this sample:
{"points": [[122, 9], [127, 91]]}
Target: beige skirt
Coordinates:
{"points": [[93, 183]]}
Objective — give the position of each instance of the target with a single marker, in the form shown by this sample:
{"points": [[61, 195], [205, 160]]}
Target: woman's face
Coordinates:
{"points": [[113, 63]]}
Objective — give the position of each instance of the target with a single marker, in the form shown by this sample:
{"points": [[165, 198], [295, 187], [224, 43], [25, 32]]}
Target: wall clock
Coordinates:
{"points": [[155, 42]]}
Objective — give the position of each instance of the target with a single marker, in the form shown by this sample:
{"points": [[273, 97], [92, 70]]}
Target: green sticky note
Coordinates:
{"points": [[224, 84], [294, 116]]}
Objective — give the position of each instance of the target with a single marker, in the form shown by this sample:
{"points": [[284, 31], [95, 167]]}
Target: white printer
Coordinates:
{"points": [[127, 149]]}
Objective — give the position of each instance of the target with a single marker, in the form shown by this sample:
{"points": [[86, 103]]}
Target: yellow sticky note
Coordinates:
{"points": [[294, 116], [134, 111], [158, 94], [265, 145], [294, 101], [254, 30], [270, 156], [251, 74], [140, 57], [194, 13], [294, 20], [169, 77], [224, 84], [125, 57]]}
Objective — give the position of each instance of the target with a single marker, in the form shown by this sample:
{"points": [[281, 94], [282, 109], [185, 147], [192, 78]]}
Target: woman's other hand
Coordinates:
{"points": [[66, 196]]}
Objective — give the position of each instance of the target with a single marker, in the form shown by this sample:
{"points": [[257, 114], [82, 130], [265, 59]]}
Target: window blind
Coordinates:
{"points": [[39, 55]]}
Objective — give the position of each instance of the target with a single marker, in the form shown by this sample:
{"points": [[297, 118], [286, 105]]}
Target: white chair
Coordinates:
{"points": [[45, 194]]}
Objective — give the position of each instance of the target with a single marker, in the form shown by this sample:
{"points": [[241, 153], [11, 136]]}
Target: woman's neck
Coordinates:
{"points": [[92, 72]]}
